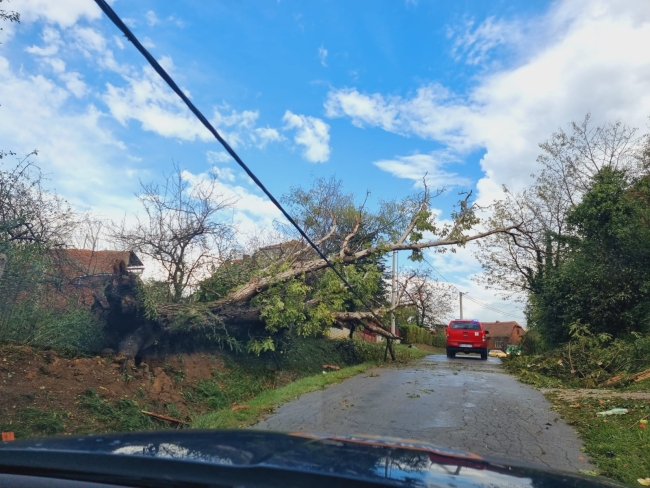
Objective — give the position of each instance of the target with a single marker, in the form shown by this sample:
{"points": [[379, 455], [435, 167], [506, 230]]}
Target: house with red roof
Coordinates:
{"points": [[503, 333]]}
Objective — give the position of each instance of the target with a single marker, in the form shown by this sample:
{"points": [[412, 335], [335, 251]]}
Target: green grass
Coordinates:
{"points": [[121, 416], [616, 444], [266, 401], [34, 422]]}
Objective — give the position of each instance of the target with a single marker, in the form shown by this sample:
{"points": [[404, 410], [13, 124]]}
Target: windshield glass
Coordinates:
{"points": [[273, 215], [465, 325]]}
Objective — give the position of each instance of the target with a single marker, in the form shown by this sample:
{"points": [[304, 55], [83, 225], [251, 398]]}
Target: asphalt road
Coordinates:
{"points": [[462, 403]]}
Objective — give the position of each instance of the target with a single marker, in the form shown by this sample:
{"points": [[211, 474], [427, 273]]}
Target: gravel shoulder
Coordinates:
{"points": [[461, 403]]}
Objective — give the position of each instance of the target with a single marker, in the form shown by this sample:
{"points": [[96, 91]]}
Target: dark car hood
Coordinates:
{"points": [[371, 459]]}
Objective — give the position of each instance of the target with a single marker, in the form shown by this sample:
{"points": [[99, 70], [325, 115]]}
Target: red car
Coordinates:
{"points": [[466, 336]]}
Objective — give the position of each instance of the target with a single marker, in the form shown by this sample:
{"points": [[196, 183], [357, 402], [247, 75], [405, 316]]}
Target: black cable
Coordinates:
{"points": [[488, 307], [110, 13]]}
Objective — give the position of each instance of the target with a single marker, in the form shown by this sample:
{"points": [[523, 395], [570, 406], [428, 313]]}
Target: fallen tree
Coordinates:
{"points": [[291, 290]]}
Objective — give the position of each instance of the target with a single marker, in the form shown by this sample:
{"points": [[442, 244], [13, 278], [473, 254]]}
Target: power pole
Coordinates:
{"points": [[393, 294], [460, 293]]}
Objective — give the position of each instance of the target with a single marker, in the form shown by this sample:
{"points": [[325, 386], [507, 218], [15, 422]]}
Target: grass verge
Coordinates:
{"points": [[267, 401], [617, 444]]}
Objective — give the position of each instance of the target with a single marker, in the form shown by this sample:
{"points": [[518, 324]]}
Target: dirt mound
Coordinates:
{"points": [[36, 381]]}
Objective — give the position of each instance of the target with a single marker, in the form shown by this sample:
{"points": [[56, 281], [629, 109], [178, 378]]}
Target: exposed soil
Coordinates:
{"points": [[44, 393], [32, 379], [43, 379]]}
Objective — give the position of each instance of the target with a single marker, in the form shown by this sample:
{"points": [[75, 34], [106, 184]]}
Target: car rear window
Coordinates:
{"points": [[465, 325]]}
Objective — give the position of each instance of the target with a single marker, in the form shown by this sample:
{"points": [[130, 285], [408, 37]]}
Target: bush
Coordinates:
{"points": [[587, 360], [26, 313], [74, 331], [412, 334], [439, 340], [532, 342]]}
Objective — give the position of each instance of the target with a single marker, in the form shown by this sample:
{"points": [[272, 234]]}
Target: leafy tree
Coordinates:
{"points": [[602, 280], [514, 261], [296, 292]]}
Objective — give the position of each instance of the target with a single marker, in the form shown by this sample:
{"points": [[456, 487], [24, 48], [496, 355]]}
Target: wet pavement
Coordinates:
{"points": [[461, 403]]}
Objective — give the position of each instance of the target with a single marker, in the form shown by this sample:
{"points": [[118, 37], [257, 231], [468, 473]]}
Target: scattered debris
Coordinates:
{"points": [[575, 405], [331, 366], [414, 395], [240, 407], [644, 481], [614, 411], [163, 417], [643, 375], [8, 436]]}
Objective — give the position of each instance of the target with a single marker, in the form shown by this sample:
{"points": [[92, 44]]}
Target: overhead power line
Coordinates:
{"points": [[110, 13], [493, 309], [476, 301]]}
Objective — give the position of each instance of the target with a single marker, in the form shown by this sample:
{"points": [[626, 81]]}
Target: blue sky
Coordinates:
{"points": [[374, 92]]}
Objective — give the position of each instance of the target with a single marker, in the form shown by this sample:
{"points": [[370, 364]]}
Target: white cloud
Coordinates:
{"points": [[432, 113], [51, 40], [312, 133], [89, 40], [322, 55], [118, 42], [475, 42], [73, 147], [62, 12], [57, 65], [179, 22], [266, 135], [252, 212], [152, 18], [415, 166], [74, 83], [148, 43], [147, 99], [581, 56], [218, 156]]}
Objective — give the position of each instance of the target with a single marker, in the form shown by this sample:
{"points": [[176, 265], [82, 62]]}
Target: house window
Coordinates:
{"points": [[499, 343]]}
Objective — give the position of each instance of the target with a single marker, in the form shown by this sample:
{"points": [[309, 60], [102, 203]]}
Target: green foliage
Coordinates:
{"points": [[34, 422], [601, 278], [150, 295], [122, 416], [532, 342], [587, 360], [224, 279], [233, 386], [412, 334], [439, 340]]}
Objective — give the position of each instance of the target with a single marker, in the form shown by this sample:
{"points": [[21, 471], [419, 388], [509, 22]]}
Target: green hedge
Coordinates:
{"points": [[439, 340], [412, 334]]}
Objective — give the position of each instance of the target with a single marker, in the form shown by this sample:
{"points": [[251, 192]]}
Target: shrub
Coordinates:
{"points": [[74, 331], [412, 334], [439, 340], [587, 359]]}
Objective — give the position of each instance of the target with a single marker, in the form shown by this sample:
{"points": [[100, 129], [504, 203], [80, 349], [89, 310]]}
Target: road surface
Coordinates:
{"points": [[462, 403]]}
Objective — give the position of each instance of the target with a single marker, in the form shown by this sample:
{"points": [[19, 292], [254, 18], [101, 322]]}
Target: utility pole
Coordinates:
{"points": [[393, 294], [460, 293]]}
